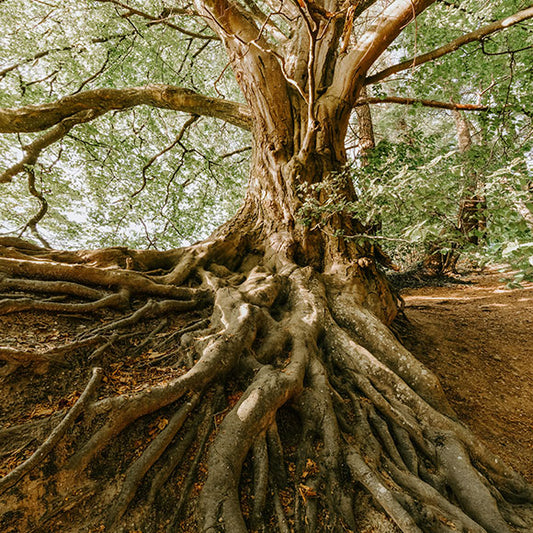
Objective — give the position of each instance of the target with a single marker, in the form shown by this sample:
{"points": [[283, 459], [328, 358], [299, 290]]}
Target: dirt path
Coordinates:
{"points": [[478, 338]]}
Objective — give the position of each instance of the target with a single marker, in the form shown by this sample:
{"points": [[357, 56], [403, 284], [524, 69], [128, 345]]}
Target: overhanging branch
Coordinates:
{"points": [[453, 45], [41, 117], [417, 101], [352, 68], [158, 20], [61, 116], [154, 158], [33, 150], [45, 53]]}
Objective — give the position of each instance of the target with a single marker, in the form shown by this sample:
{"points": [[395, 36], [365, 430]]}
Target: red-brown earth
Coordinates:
{"points": [[478, 338]]}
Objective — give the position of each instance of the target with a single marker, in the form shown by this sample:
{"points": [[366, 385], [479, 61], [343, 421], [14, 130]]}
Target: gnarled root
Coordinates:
{"points": [[274, 403]]}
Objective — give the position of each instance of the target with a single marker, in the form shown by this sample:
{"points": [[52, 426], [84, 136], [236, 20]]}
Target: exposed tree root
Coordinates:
{"points": [[55, 356], [150, 310], [152, 453], [135, 282], [192, 473], [283, 406], [51, 287], [29, 304], [46, 447]]}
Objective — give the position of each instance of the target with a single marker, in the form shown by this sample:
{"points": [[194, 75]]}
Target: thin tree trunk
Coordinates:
{"points": [[366, 142], [471, 217]]}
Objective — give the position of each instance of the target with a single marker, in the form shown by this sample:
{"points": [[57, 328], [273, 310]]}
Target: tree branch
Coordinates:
{"points": [[352, 68], [33, 150], [415, 101], [258, 68], [453, 45], [41, 117], [63, 115], [43, 209], [157, 20], [45, 53], [263, 19], [154, 158]]}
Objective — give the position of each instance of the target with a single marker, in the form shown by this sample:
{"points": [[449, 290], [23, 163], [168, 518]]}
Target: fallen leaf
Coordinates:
{"points": [[306, 492]]}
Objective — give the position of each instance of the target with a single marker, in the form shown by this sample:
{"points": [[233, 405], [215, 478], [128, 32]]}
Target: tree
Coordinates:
{"points": [[471, 216], [285, 373]]}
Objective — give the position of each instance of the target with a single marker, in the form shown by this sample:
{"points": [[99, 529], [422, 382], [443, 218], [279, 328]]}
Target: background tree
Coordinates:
{"points": [[266, 347]]}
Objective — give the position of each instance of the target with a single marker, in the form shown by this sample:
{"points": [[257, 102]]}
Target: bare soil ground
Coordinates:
{"points": [[478, 338]]}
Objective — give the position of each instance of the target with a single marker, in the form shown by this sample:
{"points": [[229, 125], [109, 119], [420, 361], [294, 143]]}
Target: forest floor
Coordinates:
{"points": [[477, 336]]}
